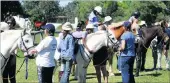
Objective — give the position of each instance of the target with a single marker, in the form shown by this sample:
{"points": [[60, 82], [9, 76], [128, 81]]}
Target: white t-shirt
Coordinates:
{"points": [[46, 51]]}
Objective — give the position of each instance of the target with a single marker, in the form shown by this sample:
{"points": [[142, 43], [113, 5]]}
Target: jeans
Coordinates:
{"points": [[127, 69], [119, 63], [45, 74], [67, 63]]}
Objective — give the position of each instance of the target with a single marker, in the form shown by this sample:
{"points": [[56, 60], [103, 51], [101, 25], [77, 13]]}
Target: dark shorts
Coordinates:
{"points": [[100, 57]]}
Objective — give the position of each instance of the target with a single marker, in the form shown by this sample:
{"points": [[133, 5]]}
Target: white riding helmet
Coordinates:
{"points": [[98, 9], [67, 26], [89, 26], [107, 18]]}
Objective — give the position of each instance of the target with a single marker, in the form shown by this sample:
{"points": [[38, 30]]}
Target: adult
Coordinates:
{"points": [[45, 59], [134, 22], [93, 17], [164, 47], [10, 68], [153, 46], [99, 60], [66, 48], [127, 54]]}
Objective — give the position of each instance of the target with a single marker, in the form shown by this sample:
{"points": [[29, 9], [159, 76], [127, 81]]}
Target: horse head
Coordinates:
{"points": [[25, 43], [23, 23]]}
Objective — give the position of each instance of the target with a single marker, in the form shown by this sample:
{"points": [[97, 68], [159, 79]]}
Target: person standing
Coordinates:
{"points": [[45, 59], [66, 48], [127, 54], [10, 68], [93, 17], [154, 52]]}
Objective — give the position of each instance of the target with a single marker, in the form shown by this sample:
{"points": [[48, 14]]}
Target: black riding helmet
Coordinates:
{"points": [[50, 28], [136, 14]]}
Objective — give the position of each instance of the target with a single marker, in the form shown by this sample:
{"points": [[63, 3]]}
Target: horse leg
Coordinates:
{"points": [[111, 65], [81, 73], [143, 61], [138, 63]]}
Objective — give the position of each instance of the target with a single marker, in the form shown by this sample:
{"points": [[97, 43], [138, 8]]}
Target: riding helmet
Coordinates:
{"points": [[98, 9], [136, 14]]}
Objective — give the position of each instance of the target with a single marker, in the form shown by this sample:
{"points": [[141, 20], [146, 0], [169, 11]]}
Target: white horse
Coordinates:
{"points": [[94, 42], [10, 40], [23, 23]]}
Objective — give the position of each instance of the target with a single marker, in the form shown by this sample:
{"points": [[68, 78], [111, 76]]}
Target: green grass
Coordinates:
{"points": [[149, 77]]}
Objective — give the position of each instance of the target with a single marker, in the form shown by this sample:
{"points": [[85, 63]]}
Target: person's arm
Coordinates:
{"points": [[70, 50], [122, 46], [123, 42], [38, 48], [84, 41]]}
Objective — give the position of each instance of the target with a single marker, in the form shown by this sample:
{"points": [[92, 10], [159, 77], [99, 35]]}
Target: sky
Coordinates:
{"points": [[64, 2]]}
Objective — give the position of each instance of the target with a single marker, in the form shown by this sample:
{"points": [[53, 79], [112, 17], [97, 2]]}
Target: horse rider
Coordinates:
{"points": [[10, 68], [127, 49], [45, 55], [134, 22], [93, 17], [66, 49]]}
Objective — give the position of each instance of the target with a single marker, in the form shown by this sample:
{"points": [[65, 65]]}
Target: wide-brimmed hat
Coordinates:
{"points": [[107, 18], [89, 26], [67, 26]]}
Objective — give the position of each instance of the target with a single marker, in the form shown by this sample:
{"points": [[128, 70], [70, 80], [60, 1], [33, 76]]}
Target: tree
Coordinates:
{"points": [[40, 10], [11, 7]]}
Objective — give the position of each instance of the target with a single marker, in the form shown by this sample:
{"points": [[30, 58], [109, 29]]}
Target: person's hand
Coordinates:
{"points": [[33, 51]]}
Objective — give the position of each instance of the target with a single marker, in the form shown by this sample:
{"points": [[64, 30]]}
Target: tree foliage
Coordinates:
{"points": [[40, 10], [11, 7]]}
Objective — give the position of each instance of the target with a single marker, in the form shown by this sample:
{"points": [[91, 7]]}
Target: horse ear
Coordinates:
{"points": [[24, 31]]}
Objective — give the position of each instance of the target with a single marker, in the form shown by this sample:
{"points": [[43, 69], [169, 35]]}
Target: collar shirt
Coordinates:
{"points": [[46, 51], [66, 46]]}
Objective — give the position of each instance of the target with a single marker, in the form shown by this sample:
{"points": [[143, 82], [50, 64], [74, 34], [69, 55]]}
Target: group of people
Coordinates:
{"points": [[46, 49], [160, 49]]}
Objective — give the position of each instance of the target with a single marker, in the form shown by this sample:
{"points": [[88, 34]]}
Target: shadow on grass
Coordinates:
{"points": [[86, 78], [152, 74], [91, 73], [117, 74]]}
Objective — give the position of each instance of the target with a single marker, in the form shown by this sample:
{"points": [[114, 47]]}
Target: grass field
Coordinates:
{"points": [[162, 76]]}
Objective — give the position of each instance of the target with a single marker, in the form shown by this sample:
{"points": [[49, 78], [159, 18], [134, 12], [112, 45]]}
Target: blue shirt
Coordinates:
{"points": [[66, 46], [129, 44], [93, 20], [167, 30]]}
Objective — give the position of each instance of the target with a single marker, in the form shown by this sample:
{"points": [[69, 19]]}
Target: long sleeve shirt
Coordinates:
{"points": [[66, 46]]}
